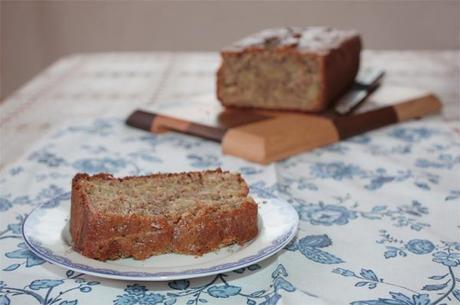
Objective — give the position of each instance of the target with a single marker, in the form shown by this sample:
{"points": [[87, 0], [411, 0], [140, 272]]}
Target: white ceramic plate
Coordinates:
{"points": [[45, 231]]}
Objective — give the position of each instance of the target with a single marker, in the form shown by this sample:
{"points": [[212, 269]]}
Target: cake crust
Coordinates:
{"points": [[205, 228], [335, 52]]}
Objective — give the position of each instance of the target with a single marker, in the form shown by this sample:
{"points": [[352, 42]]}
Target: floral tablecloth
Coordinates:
{"points": [[380, 218]]}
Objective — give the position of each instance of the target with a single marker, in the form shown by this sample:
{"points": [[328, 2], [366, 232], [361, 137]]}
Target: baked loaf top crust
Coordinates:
{"points": [[304, 39], [190, 213]]}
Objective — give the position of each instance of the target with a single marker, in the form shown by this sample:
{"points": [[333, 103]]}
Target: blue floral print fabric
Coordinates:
{"points": [[379, 218]]}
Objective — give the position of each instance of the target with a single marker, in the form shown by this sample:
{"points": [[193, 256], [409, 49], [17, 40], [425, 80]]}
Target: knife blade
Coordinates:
{"points": [[367, 80]]}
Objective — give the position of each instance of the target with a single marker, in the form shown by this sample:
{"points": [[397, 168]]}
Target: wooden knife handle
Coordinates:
{"points": [[353, 125], [157, 123], [417, 108]]}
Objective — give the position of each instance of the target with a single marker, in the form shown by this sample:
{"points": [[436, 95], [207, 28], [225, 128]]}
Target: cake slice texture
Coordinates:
{"points": [[295, 68], [188, 213]]}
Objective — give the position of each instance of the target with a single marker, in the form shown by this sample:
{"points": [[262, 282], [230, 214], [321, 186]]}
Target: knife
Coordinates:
{"points": [[367, 80]]}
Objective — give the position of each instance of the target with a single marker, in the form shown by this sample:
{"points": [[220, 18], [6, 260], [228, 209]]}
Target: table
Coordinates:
{"points": [[113, 84], [380, 213]]}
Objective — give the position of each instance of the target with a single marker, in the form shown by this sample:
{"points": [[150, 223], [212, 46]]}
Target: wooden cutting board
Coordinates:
{"points": [[267, 136]]}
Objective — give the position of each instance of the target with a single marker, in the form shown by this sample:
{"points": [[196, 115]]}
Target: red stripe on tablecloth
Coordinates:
{"points": [[163, 79], [46, 90]]}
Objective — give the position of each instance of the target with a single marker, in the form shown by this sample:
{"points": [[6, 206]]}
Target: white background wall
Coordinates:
{"points": [[35, 33]]}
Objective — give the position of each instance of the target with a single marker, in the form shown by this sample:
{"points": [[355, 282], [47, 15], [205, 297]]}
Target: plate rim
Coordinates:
{"points": [[48, 255]]}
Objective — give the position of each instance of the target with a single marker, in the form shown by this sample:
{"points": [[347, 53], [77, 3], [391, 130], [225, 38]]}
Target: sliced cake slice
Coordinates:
{"points": [[189, 213]]}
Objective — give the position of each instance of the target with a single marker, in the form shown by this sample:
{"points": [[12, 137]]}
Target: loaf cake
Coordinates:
{"points": [[188, 213], [302, 69]]}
